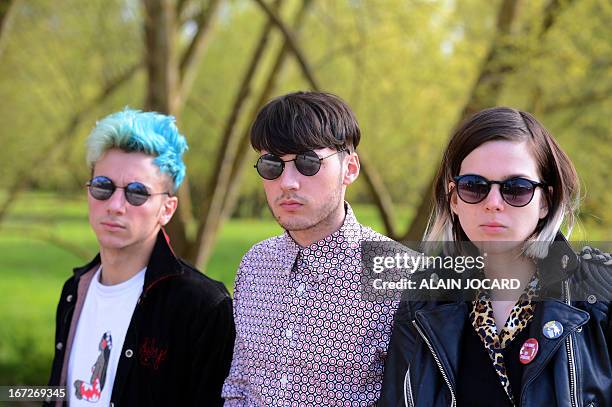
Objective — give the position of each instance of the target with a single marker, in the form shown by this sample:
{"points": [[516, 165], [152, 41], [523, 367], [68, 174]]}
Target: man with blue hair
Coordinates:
{"points": [[137, 325]]}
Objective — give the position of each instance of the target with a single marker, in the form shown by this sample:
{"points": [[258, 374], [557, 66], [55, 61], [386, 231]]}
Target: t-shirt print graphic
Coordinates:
{"points": [[91, 391]]}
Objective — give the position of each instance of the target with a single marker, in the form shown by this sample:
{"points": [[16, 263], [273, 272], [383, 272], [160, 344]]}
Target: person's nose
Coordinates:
{"points": [[117, 203], [290, 177], [494, 200]]}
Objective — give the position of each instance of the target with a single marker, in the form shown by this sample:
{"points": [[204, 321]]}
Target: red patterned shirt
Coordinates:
{"points": [[305, 336]]}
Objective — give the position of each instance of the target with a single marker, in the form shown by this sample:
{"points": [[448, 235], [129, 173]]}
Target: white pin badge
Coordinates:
{"points": [[552, 329]]}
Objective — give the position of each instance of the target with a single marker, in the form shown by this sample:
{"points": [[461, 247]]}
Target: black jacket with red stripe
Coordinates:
{"points": [[178, 347]]}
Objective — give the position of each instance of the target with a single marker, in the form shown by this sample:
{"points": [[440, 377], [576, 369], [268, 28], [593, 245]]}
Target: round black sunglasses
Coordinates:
{"points": [[270, 166], [515, 191], [102, 188]]}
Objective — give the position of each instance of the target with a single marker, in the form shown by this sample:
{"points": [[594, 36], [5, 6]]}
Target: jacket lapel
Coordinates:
{"points": [[550, 310], [444, 327]]}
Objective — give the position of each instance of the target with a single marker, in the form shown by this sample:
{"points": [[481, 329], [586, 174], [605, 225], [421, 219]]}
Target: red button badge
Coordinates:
{"points": [[528, 351]]}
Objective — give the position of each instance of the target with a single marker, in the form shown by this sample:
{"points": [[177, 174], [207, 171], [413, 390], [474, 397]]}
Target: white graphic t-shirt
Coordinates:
{"points": [[99, 338]]}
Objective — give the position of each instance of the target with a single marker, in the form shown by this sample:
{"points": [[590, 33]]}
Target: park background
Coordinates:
{"points": [[411, 70]]}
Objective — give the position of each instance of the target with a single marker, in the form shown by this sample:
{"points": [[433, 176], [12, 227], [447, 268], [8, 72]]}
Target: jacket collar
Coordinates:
{"points": [[163, 263], [560, 263]]}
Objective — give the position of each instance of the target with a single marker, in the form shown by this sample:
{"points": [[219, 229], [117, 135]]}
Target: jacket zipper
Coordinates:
{"points": [[433, 352], [569, 347], [408, 398]]}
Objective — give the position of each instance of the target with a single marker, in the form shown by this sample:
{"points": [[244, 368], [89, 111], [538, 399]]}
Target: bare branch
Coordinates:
{"points": [[24, 176], [582, 100], [181, 5], [193, 55], [290, 41], [380, 193]]}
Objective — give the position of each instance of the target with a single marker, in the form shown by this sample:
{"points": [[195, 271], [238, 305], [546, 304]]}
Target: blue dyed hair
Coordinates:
{"points": [[151, 133]]}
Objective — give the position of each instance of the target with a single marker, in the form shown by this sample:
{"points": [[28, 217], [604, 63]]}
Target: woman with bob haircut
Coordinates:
{"points": [[504, 188]]}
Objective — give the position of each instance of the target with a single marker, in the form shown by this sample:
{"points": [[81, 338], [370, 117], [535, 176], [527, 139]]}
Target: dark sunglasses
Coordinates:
{"points": [[516, 192], [102, 188], [271, 166]]}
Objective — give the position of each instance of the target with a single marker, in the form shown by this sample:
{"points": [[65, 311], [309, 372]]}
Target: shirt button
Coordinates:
{"points": [[591, 299], [289, 333], [301, 288], [283, 380], [69, 298], [128, 353], [59, 346]]}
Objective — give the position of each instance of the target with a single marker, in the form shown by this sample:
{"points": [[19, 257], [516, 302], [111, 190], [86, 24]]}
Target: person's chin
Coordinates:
{"points": [[293, 223], [112, 242], [289, 214]]}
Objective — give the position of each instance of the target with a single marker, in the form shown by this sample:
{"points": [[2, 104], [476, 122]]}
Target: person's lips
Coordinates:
{"points": [[112, 226], [290, 204], [493, 227]]}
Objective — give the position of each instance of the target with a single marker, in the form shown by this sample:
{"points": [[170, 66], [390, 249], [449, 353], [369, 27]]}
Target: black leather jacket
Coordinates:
{"points": [[572, 370]]}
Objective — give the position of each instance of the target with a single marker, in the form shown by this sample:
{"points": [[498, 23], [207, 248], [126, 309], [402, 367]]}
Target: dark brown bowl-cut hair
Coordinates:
{"points": [[302, 121], [554, 168]]}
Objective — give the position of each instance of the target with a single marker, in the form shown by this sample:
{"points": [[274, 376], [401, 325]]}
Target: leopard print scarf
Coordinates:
{"points": [[483, 322]]}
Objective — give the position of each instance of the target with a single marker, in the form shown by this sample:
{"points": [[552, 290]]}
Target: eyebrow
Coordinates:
{"points": [[519, 175], [515, 175], [146, 184]]}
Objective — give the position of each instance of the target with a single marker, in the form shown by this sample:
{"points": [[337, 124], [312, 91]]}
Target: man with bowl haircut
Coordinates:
{"points": [[138, 326], [304, 334]]}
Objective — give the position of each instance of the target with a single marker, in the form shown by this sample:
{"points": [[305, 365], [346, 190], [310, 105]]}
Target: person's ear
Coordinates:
{"points": [[352, 168], [167, 210], [544, 200], [453, 197]]}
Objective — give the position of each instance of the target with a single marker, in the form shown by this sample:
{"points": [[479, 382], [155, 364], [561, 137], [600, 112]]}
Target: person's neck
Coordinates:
{"points": [[119, 265], [326, 227], [506, 266]]}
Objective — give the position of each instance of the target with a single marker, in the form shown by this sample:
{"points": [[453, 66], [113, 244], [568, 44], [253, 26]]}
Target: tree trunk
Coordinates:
{"points": [[161, 60], [170, 82], [380, 193], [163, 86]]}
